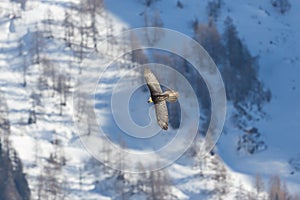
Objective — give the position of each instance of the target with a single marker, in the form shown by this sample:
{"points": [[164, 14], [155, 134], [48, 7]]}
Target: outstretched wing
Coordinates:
{"points": [[162, 114], [161, 109], [152, 82]]}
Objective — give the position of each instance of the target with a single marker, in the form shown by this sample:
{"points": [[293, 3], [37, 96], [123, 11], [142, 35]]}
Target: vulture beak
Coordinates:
{"points": [[150, 100]]}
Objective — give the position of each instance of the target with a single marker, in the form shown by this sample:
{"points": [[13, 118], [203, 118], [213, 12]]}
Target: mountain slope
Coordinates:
{"points": [[40, 111]]}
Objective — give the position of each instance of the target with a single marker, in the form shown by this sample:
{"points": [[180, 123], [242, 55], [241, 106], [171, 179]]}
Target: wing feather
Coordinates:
{"points": [[162, 114], [152, 82]]}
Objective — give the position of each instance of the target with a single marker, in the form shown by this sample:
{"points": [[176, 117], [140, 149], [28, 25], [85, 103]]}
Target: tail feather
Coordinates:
{"points": [[172, 98], [171, 95]]}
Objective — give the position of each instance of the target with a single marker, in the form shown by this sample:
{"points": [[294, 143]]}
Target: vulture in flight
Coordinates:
{"points": [[159, 98]]}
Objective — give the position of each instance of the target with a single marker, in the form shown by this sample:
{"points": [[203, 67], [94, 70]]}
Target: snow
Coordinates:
{"points": [[275, 38]]}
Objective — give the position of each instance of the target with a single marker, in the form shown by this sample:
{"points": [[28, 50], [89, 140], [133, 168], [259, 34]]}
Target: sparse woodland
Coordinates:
{"points": [[46, 55]]}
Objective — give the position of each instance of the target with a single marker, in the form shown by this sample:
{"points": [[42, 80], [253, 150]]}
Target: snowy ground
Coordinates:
{"points": [[258, 24], [275, 39]]}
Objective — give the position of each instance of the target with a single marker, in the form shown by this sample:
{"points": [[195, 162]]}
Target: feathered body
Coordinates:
{"points": [[159, 98]]}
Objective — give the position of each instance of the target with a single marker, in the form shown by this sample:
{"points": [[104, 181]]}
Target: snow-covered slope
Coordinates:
{"points": [[267, 33], [275, 39]]}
